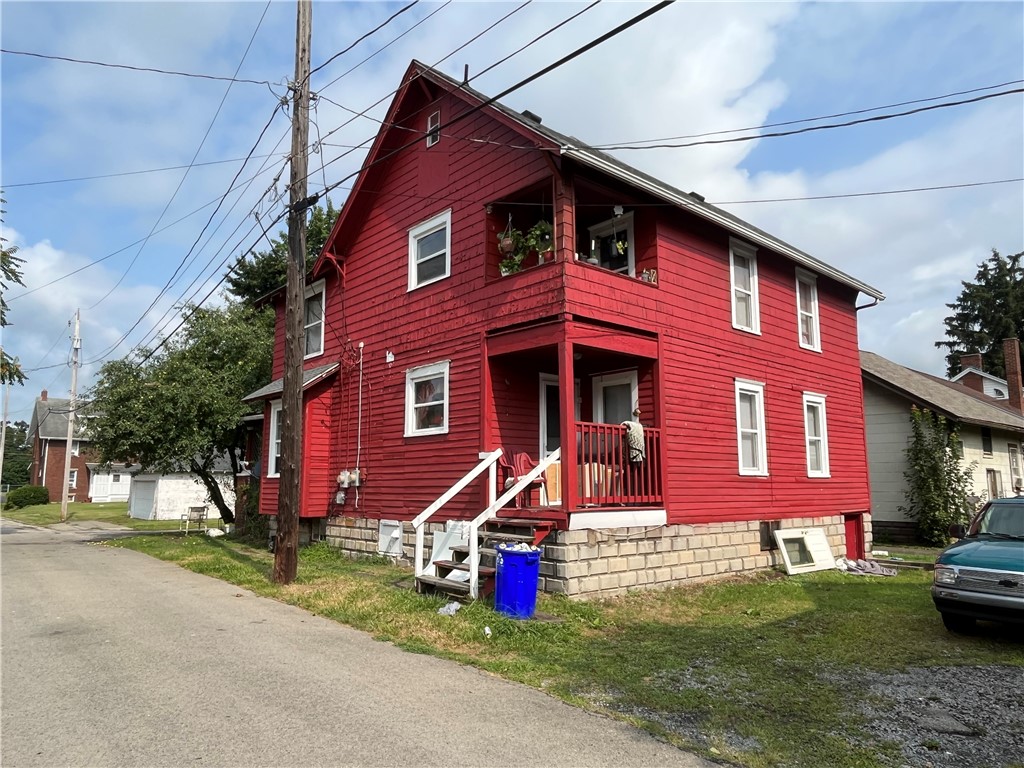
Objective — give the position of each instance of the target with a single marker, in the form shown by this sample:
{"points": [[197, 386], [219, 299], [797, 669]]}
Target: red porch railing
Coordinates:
{"points": [[609, 473]]}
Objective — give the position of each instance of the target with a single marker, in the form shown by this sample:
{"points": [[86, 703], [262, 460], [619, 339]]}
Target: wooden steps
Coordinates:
{"points": [[500, 530]]}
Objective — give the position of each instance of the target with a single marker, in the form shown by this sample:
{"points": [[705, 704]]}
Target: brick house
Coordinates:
{"points": [[47, 433], [703, 374]]}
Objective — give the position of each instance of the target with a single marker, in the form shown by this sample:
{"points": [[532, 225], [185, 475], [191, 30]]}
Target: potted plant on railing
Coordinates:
{"points": [[540, 238]]}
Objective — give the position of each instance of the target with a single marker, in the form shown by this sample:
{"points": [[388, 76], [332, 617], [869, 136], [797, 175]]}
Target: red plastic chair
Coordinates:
{"points": [[519, 466]]}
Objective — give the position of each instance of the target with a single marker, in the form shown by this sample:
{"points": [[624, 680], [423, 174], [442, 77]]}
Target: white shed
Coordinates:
{"points": [[109, 483], [167, 497]]}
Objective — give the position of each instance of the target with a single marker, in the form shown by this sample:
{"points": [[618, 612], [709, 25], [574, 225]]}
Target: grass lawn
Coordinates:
{"points": [[115, 512], [755, 669]]}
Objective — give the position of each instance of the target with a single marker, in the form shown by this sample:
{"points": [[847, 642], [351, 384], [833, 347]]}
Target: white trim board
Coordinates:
{"points": [[619, 518]]}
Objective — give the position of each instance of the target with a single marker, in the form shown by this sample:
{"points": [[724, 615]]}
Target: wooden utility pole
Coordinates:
{"points": [[286, 555], [76, 344]]}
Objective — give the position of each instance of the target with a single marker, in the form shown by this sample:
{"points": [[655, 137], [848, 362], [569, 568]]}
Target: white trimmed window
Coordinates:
{"points": [[434, 128], [76, 447], [73, 478], [807, 310], [816, 435], [426, 400], [611, 242], [750, 428], [429, 250], [743, 272], [274, 454], [313, 319]]}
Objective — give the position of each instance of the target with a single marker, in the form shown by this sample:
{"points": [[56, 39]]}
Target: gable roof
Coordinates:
{"points": [[50, 420], [575, 149], [310, 376], [949, 398], [994, 380]]}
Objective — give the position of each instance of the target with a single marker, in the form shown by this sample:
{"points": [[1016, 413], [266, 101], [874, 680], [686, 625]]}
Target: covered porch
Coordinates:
{"points": [[592, 388]]}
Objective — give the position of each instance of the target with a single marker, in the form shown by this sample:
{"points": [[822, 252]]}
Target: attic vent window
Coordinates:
{"points": [[998, 392], [433, 129], [532, 116]]}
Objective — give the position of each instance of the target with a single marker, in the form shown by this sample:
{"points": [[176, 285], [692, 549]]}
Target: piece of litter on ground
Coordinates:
{"points": [[864, 568], [487, 632], [449, 609], [215, 532]]}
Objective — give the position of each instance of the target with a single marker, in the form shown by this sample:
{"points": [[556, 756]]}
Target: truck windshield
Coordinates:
{"points": [[1003, 519]]}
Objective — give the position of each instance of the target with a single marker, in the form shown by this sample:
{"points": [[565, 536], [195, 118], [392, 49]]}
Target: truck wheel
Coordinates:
{"points": [[956, 623]]}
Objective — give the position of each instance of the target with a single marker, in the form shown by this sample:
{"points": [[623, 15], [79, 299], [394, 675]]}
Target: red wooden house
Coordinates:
{"points": [[703, 374]]}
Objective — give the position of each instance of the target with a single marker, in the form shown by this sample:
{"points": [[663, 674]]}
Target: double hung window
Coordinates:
{"points": [[743, 272], [750, 428], [807, 310], [430, 250], [313, 319], [611, 243], [274, 457], [816, 435], [426, 400]]}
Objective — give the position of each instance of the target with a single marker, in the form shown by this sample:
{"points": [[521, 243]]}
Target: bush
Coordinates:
{"points": [[28, 496]]}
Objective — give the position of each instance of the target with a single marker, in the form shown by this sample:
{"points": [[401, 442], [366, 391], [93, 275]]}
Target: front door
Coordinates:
{"points": [[551, 431]]}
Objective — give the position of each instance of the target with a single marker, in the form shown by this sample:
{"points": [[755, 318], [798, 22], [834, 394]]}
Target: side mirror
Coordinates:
{"points": [[957, 531]]}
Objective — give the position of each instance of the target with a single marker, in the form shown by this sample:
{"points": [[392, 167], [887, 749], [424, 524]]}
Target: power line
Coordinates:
{"points": [[823, 117], [127, 173], [871, 194], [525, 81], [362, 37], [134, 68], [100, 260], [195, 156], [809, 129]]}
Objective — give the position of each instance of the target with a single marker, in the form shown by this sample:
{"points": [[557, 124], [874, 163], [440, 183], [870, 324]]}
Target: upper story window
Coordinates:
{"points": [[76, 447], [314, 319], [807, 310], [274, 457], [750, 428], [816, 434], [611, 243], [746, 315], [73, 478], [986, 441], [426, 400], [433, 128], [430, 250]]}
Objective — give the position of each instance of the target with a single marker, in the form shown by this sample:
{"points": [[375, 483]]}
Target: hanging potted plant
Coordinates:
{"points": [[512, 246]]}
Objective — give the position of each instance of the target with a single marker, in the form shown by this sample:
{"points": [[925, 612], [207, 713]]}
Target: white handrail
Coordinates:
{"points": [[487, 461], [492, 511]]}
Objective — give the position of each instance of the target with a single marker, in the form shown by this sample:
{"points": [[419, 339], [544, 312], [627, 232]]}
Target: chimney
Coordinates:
{"points": [[972, 380], [42, 395], [1011, 359]]}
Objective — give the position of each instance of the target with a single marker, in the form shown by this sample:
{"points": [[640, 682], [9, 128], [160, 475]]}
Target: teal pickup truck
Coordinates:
{"points": [[982, 575]]}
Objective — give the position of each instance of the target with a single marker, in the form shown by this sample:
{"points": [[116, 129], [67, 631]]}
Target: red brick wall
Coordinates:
{"points": [[51, 459]]}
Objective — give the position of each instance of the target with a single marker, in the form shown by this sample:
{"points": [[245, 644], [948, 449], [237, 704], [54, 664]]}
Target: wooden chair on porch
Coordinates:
{"points": [[516, 466]]}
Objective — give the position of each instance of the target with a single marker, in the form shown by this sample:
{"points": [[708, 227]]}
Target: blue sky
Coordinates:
{"points": [[692, 68]]}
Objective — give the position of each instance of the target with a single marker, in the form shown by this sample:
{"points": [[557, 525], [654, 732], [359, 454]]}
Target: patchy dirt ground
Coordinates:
{"points": [[940, 717]]}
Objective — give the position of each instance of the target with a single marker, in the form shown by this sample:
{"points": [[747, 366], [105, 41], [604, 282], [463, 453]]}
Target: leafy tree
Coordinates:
{"points": [[987, 311], [10, 273], [938, 485], [182, 406], [267, 271], [17, 455]]}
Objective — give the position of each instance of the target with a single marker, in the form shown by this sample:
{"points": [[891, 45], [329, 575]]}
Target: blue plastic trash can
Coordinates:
{"points": [[515, 585]]}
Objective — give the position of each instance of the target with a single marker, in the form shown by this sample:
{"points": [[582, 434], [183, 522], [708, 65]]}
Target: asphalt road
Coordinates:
{"points": [[111, 658]]}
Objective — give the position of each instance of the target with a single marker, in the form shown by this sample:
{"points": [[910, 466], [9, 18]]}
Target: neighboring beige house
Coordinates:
{"points": [[991, 430]]}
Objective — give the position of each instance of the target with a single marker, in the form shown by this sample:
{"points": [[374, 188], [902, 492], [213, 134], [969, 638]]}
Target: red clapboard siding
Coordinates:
{"points": [[356, 419]]}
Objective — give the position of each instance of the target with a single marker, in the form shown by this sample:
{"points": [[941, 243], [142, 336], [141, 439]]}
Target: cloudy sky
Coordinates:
{"points": [[103, 231]]}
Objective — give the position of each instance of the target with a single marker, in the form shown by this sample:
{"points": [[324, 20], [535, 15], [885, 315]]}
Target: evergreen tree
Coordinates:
{"points": [[261, 272], [987, 311]]}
